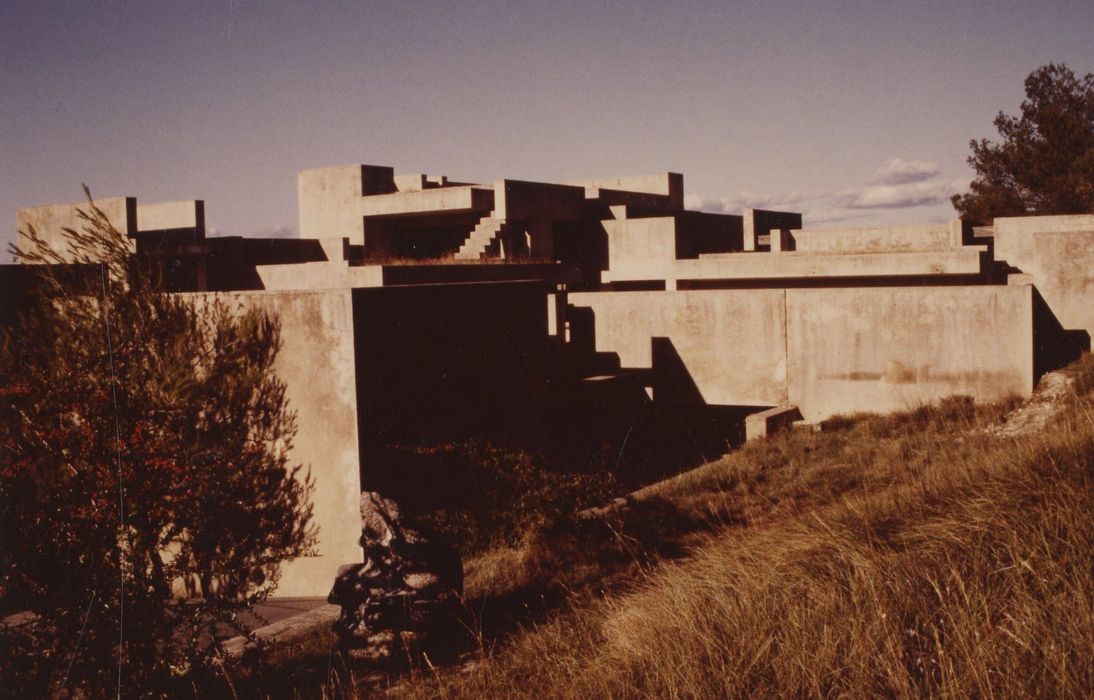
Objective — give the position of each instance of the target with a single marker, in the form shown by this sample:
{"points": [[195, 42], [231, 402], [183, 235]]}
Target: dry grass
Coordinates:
{"points": [[902, 556]]}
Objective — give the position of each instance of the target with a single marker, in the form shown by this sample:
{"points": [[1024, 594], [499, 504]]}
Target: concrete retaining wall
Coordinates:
{"points": [[828, 350]]}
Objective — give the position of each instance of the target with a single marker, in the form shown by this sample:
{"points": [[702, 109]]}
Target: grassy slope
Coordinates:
{"points": [[906, 555]]}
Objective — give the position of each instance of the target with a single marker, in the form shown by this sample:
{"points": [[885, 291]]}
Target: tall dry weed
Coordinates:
{"points": [[902, 556]]}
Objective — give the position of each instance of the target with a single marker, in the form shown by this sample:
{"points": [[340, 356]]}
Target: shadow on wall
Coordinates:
{"points": [[1053, 345], [438, 364], [443, 365], [604, 417]]}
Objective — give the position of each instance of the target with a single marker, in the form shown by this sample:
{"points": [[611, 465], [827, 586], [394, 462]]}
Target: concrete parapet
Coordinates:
{"points": [[762, 222], [336, 274], [966, 262], [428, 201], [887, 239], [172, 216], [49, 221], [1017, 225], [773, 420], [670, 185]]}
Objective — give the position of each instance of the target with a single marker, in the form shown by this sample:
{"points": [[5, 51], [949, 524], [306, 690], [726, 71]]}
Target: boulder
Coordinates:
{"points": [[404, 596]]}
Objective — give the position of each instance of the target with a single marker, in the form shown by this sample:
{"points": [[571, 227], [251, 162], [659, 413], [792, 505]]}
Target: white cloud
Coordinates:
{"points": [[897, 184], [897, 171]]}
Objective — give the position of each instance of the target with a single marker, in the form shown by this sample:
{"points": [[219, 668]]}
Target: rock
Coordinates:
{"points": [[406, 593]]}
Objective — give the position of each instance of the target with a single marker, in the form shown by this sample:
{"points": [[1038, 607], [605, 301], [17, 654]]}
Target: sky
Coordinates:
{"points": [[854, 113]]}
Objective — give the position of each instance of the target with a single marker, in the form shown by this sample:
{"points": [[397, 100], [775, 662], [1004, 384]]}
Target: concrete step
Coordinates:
{"points": [[483, 241]]}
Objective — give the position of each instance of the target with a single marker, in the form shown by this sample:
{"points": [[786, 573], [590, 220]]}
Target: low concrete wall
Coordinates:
{"points": [[888, 239], [168, 216], [732, 343], [639, 259], [50, 220], [1058, 252], [887, 349], [316, 363], [666, 184]]}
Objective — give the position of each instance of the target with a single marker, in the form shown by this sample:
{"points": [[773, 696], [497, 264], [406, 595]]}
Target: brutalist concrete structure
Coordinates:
{"points": [[418, 310]]}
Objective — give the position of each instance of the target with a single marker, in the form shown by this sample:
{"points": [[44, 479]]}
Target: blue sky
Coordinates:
{"points": [[854, 113]]}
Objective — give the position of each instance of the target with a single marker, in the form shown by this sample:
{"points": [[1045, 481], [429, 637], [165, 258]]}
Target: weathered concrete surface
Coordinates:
{"points": [[828, 350], [641, 263], [1058, 252], [49, 221], [640, 248], [732, 343], [316, 363], [893, 348], [886, 239]]}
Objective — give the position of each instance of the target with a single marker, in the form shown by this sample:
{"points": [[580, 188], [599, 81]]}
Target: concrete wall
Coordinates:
{"points": [[50, 220], [330, 203], [666, 184], [893, 348], [732, 343], [886, 239], [1058, 252], [641, 248], [828, 350], [168, 216], [316, 363], [763, 222], [637, 260]]}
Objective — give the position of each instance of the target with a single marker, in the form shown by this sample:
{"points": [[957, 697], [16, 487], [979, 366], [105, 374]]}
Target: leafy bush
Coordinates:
{"points": [[143, 456]]}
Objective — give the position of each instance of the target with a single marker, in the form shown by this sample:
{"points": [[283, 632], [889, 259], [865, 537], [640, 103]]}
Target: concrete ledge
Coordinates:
{"points": [[877, 240], [440, 199], [792, 265], [769, 422], [284, 631]]}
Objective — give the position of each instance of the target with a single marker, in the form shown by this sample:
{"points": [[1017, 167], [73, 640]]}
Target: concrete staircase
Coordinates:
{"points": [[484, 240]]}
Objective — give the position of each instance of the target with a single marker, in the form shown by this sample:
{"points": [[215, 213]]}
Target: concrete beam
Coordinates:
{"points": [[773, 420]]}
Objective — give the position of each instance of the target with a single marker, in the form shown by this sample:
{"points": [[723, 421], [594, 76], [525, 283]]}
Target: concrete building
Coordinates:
{"points": [[418, 310]]}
